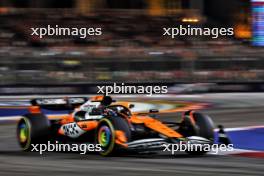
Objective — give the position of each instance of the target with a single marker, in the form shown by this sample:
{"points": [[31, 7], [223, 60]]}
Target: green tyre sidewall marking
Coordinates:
{"points": [[112, 141]]}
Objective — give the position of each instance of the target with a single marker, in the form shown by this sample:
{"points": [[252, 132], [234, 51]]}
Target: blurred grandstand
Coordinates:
{"points": [[131, 49]]}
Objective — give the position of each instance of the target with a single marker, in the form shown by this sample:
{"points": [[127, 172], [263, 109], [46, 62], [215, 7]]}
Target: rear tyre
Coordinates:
{"points": [[106, 135], [32, 129]]}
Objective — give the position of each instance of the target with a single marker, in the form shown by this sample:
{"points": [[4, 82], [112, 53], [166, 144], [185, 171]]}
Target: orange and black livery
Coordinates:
{"points": [[112, 125]]}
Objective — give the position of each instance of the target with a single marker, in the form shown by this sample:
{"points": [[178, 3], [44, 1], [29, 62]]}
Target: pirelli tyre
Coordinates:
{"points": [[112, 133], [32, 129], [205, 129], [205, 125]]}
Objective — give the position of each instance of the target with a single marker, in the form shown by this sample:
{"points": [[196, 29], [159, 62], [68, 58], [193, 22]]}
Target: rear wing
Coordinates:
{"points": [[69, 103]]}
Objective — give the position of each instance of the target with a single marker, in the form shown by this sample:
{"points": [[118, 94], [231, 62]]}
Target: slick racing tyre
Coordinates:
{"points": [[108, 135], [204, 128], [205, 125], [32, 129]]}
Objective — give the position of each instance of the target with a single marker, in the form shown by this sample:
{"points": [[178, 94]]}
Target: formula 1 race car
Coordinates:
{"points": [[112, 125]]}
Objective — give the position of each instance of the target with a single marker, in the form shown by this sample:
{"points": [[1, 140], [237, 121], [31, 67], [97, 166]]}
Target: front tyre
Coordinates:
{"points": [[205, 125], [106, 134]]}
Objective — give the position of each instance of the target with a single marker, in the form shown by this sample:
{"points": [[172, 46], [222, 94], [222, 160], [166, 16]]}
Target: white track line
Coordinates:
{"points": [[241, 128]]}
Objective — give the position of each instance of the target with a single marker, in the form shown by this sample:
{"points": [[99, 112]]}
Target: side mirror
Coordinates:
{"points": [[153, 111], [131, 106]]}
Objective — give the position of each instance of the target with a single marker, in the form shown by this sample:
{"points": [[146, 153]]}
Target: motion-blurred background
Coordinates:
{"points": [[132, 48]]}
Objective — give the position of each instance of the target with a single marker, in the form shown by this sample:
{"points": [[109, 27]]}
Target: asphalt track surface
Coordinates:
{"points": [[230, 111]]}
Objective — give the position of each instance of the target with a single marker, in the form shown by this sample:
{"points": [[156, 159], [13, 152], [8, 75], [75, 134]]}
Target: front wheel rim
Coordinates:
{"points": [[104, 136]]}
